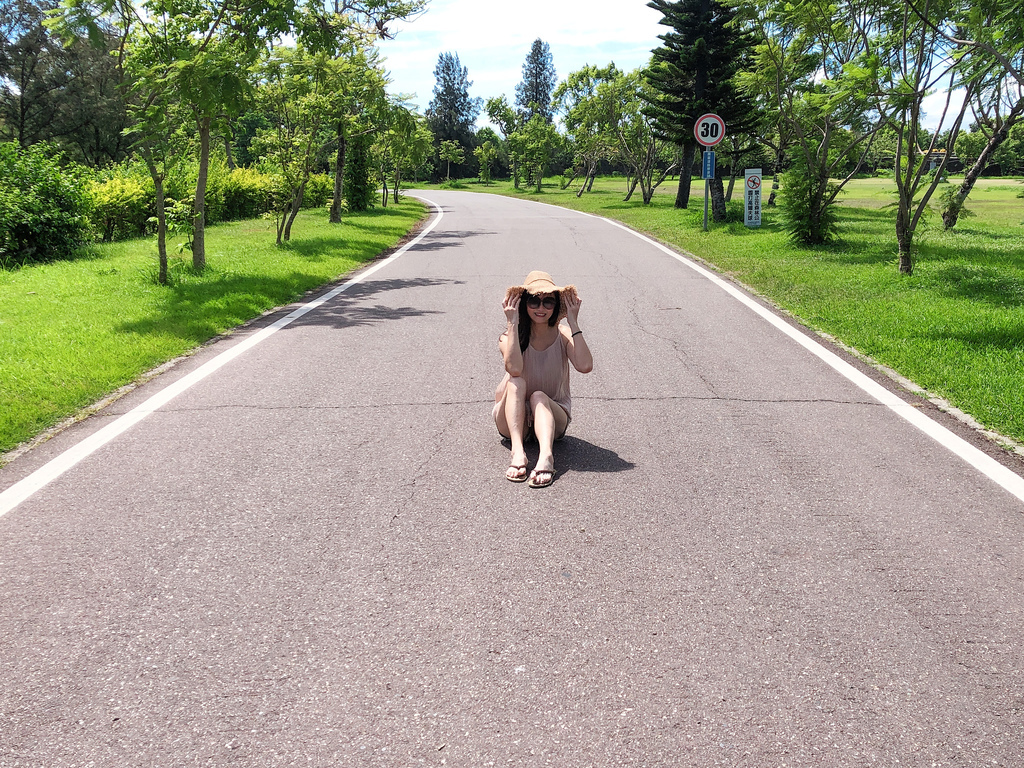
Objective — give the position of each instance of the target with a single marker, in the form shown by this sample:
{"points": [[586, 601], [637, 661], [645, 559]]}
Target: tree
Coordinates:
{"points": [[201, 52], [357, 104], [452, 113], [818, 75], [67, 92], [450, 152], [692, 73], [918, 59], [644, 152], [486, 154], [403, 144], [293, 87], [510, 124], [533, 94], [359, 191], [537, 140], [990, 39], [589, 120]]}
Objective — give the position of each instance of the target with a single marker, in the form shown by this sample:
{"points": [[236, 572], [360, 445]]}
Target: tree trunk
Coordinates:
{"points": [[732, 183], [685, 175], [718, 212], [228, 153], [339, 180], [775, 180], [199, 222], [632, 188], [282, 219], [588, 179], [951, 213], [384, 193], [295, 207], [395, 185], [161, 228], [904, 240], [161, 219]]}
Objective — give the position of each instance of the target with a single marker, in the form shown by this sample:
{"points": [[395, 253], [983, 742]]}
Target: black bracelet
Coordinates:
{"points": [[575, 333]]}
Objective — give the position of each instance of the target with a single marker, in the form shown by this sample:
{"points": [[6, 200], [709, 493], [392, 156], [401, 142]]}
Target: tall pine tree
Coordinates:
{"points": [[692, 74], [452, 113], [533, 94]]}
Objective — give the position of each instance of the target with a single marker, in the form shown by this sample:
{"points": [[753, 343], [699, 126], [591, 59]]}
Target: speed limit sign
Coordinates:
{"points": [[709, 129]]}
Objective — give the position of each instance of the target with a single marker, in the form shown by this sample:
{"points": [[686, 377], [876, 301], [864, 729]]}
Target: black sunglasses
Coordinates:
{"points": [[533, 302]]}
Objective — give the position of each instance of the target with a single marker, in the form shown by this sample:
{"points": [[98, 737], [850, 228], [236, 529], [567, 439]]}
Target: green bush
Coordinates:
{"points": [[43, 207], [802, 217], [216, 180], [319, 191], [359, 191], [246, 194], [121, 207]]}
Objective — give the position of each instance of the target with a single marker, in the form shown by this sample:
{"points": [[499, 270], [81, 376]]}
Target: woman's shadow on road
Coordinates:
{"points": [[575, 455]]}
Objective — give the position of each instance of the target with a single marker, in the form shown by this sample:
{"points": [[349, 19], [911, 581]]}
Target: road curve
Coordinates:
{"points": [[311, 556]]}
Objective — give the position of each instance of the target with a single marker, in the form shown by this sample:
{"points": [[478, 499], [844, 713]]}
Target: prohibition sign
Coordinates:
{"points": [[709, 129], [754, 182]]}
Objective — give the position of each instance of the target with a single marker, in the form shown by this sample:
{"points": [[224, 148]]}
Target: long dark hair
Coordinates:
{"points": [[524, 318]]}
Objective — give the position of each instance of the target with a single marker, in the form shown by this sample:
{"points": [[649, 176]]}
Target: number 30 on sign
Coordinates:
{"points": [[709, 130]]}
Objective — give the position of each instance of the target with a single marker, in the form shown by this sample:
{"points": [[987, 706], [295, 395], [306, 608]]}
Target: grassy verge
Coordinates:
{"points": [[71, 332], [956, 327]]}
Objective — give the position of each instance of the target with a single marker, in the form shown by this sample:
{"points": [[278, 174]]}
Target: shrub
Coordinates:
{"points": [[319, 191], [121, 206], [246, 194], [43, 207], [802, 215], [359, 192]]}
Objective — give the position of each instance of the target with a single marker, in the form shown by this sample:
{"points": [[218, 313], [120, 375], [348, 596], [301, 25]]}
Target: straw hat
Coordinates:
{"points": [[538, 282]]}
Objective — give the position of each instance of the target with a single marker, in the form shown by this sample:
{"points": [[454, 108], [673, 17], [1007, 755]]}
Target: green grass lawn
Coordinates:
{"points": [[955, 327], [72, 332]]}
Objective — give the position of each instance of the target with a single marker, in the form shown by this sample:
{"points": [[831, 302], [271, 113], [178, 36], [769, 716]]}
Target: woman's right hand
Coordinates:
{"points": [[511, 307]]}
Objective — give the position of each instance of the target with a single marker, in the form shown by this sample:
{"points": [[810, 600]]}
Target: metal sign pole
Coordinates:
{"points": [[709, 130], [707, 186]]}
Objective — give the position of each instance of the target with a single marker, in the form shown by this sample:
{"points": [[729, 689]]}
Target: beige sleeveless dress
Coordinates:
{"points": [[545, 370]]}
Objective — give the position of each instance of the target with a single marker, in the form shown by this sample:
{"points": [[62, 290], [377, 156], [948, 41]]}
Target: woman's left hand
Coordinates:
{"points": [[572, 303]]}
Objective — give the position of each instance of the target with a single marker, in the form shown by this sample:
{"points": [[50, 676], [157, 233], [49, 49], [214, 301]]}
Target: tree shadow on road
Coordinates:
{"points": [[439, 241], [349, 309]]}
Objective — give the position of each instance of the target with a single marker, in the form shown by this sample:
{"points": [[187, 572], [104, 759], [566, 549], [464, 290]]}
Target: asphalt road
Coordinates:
{"points": [[311, 557]]}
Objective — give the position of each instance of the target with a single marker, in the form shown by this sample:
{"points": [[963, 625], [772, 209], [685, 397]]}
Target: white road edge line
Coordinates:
{"points": [[1003, 476], [23, 489]]}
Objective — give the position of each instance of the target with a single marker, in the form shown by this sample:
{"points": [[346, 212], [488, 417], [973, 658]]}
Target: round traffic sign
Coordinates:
{"points": [[709, 129]]}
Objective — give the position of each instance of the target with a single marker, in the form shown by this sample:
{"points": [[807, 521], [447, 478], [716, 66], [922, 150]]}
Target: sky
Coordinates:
{"points": [[493, 37], [492, 40]]}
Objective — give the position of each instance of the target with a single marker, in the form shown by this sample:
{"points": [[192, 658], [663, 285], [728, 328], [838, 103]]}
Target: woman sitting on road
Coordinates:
{"points": [[537, 348]]}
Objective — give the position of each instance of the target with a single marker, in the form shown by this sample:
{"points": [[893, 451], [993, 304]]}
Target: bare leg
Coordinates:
{"points": [[510, 419], [549, 420]]}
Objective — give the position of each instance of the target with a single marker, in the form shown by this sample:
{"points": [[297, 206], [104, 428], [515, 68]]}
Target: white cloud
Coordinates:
{"points": [[492, 40]]}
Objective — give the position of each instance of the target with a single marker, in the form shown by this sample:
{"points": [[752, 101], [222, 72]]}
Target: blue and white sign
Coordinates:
{"points": [[709, 165]]}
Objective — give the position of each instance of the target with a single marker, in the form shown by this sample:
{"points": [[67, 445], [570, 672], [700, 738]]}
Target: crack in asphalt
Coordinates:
{"points": [[490, 401]]}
